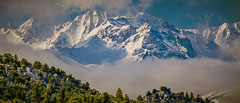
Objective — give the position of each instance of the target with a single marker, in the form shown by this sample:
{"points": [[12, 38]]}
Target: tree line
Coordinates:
{"points": [[25, 82]]}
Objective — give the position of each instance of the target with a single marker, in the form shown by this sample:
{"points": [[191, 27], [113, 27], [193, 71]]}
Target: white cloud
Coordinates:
{"points": [[58, 11], [53, 8], [89, 4], [36, 8], [200, 75]]}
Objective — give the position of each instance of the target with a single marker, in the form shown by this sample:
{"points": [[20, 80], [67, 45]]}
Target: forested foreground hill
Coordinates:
{"points": [[22, 81]]}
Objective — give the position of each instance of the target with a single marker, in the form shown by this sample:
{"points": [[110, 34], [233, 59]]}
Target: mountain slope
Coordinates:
{"points": [[30, 31], [214, 41], [229, 96], [131, 38], [22, 81]]}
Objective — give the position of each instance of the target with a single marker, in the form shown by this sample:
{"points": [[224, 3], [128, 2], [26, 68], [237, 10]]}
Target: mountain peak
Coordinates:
{"points": [[141, 13], [224, 25], [93, 17], [23, 28], [140, 35], [8, 27], [228, 30]]}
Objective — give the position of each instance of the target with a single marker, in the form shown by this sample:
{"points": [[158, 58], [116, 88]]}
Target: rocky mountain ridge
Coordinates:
{"points": [[100, 38]]}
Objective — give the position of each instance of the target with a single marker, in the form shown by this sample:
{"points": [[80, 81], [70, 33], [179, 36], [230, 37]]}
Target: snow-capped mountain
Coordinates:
{"points": [[140, 36], [227, 96], [94, 37], [211, 42], [30, 31]]}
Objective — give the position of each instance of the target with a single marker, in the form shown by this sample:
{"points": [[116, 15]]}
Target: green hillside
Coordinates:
{"points": [[22, 81]]}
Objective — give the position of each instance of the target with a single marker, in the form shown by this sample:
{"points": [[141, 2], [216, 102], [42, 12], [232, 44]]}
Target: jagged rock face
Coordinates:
{"points": [[137, 37], [75, 31], [141, 36], [9, 27], [27, 31], [226, 33], [30, 31], [160, 44], [210, 42]]}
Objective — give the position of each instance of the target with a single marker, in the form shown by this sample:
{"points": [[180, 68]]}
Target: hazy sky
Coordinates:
{"points": [[181, 13], [192, 13]]}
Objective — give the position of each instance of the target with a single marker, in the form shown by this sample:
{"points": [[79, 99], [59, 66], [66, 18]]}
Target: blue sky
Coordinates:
{"points": [[195, 13], [181, 13]]}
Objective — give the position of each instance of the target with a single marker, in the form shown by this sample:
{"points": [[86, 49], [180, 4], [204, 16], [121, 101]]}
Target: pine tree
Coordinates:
{"points": [[105, 98], [1, 59], [139, 98], [5, 59], [53, 85], [44, 68], [156, 97], [198, 99], [52, 69], [3, 71], [187, 97], [191, 96], [207, 100], [148, 95], [24, 62], [61, 95], [154, 91], [46, 96], [119, 94], [37, 65], [126, 99]]}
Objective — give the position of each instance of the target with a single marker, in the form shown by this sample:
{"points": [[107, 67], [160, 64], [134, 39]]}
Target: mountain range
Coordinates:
{"points": [[94, 37]]}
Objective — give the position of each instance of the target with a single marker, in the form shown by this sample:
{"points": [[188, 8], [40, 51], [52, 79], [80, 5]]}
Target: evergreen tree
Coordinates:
{"points": [[156, 97], [37, 65], [191, 96], [165, 89], [1, 59], [126, 99], [187, 97], [37, 91], [44, 68], [198, 99], [148, 95], [207, 100], [154, 91], [61, 95], [24, 63], [119, 94], [3, 71], [5, 59], [52, 85], [52, 69], [139, 98], [46, 97], [105, 98]]}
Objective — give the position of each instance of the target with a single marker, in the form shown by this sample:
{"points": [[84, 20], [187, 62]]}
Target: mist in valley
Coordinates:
{"points": [[199, 75]]}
